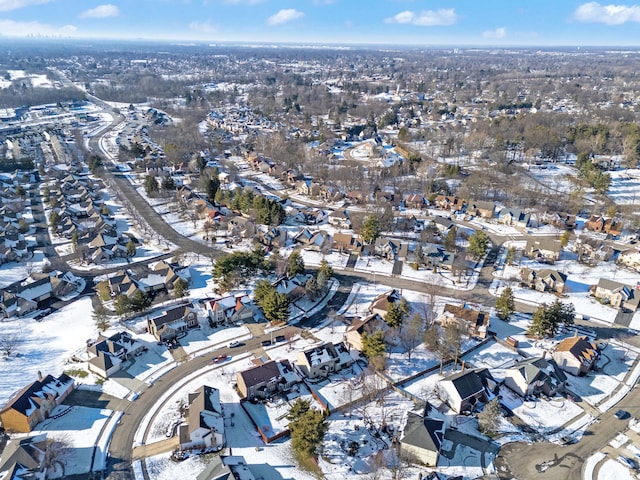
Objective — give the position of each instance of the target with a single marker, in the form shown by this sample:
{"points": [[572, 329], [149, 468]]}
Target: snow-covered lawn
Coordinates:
{"points": [[374, 265], [442, 278], [81, 426], [625, 186], [63, 332], [492, 355], [15, 272], [335, 259], [541, 415], [614, 470]]}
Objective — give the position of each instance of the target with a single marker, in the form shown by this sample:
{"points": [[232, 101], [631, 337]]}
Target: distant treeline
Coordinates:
{"points": [[12, 165]]}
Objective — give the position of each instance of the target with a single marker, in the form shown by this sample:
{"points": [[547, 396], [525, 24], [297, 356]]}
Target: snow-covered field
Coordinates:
{"points": [[63, 332]]}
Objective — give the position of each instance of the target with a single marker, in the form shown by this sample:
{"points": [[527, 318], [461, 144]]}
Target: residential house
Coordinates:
{"points": [[355, 197], [265, 380], [559, 219], [35, 402], [463, 390], [272, 237], [380, 304], [433, 256], [308, 187], [205, 428], [107, 353], [229, 309], [347, 242], [482, 209], [310, 216], [514, 217], [422, 439], [364, 325], [226, 468], [599, 224], [443, 224], [576, 355], [415, 200], [446, 202], [322, 360], [293, 288], [544, 249], [534, 376], [24, 459], [168, 324], [630, 258], [318, 240], [617, 294], [340, 219], [474, 322], [545, 280], [240, 226], [391, 249]]}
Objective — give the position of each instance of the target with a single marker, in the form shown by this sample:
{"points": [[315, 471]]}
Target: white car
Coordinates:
{"points": [[234, 344]]}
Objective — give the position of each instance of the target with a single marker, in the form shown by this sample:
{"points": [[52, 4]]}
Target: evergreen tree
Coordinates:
{"points": [[374, 345], [180, 288], [307, 431], [276, 306], [150, 185], [370, 229], [325, 272], [296, 264], [547, 319], [262, 289], [478, 244], [489, 418], [505, 304]]}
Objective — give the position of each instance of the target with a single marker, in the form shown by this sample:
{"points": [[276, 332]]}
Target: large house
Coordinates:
{"points": [[229, 309], [205, 426], [545, 280], [476, 323], [617, 294], [576, 355], [226, 468], [534, 376], [267, 379], [167, 324], [35, 402], [610, 226], [422, 439], [363, 326], [380, 304], [514, 217], [320, 361], [462, 391]]}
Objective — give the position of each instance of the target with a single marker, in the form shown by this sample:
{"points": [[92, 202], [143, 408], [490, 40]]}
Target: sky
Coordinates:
{"points": [[386, 22]]}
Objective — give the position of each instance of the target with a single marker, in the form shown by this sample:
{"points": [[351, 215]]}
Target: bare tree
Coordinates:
{"points": [[411, 334], [58, 450], [10, 341]]}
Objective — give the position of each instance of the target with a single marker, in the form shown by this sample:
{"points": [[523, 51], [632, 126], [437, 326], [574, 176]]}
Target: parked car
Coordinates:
{"points": [[266, 343], [234, 344], [622, 414], [628, 462]]}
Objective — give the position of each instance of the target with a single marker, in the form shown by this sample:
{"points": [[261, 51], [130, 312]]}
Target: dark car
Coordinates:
{"points": [[266, 343], [622, 414]]}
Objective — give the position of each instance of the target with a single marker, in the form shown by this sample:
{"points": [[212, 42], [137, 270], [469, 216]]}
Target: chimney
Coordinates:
{"points": [[544, 354], [40, 377], [463, 362]]}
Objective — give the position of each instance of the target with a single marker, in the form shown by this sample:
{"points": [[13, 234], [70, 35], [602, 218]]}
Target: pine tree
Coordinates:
{"points": [[478, 244], [374, 345], [370, 229], [489, 418], [296, 264], [505, 304], [308, 427], [180, 288], [275, 306]]}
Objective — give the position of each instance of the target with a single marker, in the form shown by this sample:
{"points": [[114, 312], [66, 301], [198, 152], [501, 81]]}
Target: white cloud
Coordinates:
{"points": [[593, 12], [7, 5], [202, 27], [283, 16], [495, 34], [11, 28], [426, 18], [101, 11]]}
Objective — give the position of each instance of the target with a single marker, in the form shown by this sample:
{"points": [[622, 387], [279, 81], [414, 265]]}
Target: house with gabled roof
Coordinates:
{"points": [[340, 219], [462, 391], [168, 324], [576, 355], [324, 359], [361, 326], [482, 209], [317, 240], [600, 224], [205, 418], [347, 242], [619, 295], [380, 304], [226, 468], [545, 249], [229, 309], [446, 202], [24, 459], [267, 379], [293, 288], [514, 217], [544, 280], [422, 438], [107, 353], [534, 376], [35, 402], [475, 322], [630, 258]]}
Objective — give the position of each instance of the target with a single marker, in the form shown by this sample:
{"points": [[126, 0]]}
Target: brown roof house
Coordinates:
{"points": [[267, 379], [422, 438], [167, 324], [347, 242], [610, 226], [320, 361], [363, 326], [475, 322], [545, 280], [380, 304], [617, 294], [35, 402], [205, 428], [576, 355]]}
